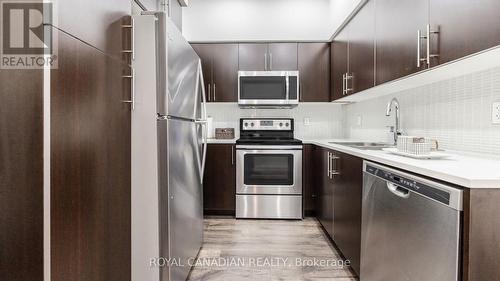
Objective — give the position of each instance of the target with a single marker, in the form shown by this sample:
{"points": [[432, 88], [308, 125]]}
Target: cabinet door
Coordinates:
{"points": [[465, 26], [252, 57], [397, 23], [204, 51], [282, 56], [314, 69], [324, 184], [219, 180], [339, 55], [225, 73], [347, 207], [361, 49], [309, 192]]}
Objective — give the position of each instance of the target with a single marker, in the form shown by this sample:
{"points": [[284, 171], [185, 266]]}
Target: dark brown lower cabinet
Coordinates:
{"points": [[219, 180], [338, 205], [347, 197], [324, 185], [308, 186]]}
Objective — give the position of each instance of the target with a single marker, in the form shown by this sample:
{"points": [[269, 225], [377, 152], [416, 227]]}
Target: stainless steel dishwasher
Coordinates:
{"points": [[410, 227]]}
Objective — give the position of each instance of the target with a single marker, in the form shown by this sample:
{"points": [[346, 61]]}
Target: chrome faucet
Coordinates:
{"points": [[397, 131]]}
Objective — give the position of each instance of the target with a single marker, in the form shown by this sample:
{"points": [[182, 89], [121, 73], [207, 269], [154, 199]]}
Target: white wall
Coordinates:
{"points": [[266, 20], [325, 118], [456, 112]]}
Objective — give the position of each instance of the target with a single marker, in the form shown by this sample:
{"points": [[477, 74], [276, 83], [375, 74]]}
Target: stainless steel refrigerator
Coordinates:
{"points": [[169, 109]]}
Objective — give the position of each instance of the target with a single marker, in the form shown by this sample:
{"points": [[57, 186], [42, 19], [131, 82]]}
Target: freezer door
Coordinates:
{"points": [[178, 71], [181, 194]]}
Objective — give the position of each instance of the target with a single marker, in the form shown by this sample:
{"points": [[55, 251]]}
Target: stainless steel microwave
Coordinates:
{"points": [[268, 88]]}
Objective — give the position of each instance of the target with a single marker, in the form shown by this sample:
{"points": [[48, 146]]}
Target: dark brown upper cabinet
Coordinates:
{"points": [[361, 68], [339, 64], [397, 23], [253, 57], [314, 71], [465, 27], [353, 51], [282, 56], [267, 57], [220, 70]]}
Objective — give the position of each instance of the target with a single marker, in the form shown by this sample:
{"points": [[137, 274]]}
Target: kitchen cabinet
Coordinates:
{"points": [[361, 63], [465, 27], [282, 56], [219, 180], [353, 51], [339, 183], [252, 56], [220, 71], [324, 185], [339, 63], [314, 71], [347, 199], [308, 184], [267, 57], [397, 23]]}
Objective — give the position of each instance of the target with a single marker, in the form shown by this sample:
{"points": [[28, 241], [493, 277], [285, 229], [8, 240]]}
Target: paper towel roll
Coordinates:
{"points": [[210, 127]]}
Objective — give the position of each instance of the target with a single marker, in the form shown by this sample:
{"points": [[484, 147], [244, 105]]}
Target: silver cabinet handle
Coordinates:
{"points": [[265, 61], [429, 55], [328, 165], [208, 96], [232, 154], [270, 61], [347, 78], [132, 36], [335, 171], [215, 91], [419, 37], [343, 84], [132, 89]]}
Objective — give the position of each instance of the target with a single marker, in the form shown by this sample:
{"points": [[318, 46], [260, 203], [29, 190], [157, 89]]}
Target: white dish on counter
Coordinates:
{"points": [[432, 155]]}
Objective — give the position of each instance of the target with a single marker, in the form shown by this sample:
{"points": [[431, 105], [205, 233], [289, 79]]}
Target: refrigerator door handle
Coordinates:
{"points": [[203, 121]]}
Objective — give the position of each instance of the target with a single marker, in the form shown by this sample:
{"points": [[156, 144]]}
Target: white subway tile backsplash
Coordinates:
{"points": [[456, 112], [325, 118]]}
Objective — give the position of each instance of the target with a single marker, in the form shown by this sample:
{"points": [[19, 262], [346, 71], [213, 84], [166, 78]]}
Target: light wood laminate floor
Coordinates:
{"points": [[235, 250]]}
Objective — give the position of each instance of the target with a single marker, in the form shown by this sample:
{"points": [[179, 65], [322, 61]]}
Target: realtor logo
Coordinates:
{"points": [[27, 40]]}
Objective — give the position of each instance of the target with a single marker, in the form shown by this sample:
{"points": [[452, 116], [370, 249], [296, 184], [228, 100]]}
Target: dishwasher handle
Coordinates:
{"points": [[398, 191]]}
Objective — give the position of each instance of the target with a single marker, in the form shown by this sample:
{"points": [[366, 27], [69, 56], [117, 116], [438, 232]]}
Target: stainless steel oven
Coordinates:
{"points": [[269, 169], [268, 88]]}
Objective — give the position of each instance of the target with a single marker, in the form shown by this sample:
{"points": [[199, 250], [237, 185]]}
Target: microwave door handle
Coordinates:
{"points": [[287, 94]]}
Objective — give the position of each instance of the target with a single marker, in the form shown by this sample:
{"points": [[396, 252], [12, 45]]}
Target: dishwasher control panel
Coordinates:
{"points": [[410, 184]]}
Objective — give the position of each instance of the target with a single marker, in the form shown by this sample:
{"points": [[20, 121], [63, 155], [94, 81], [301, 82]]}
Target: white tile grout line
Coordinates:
{"points": [[46, 174]]}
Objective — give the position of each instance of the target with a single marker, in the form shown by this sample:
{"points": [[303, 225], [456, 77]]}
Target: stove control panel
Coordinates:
{"points": [[266, 124]]}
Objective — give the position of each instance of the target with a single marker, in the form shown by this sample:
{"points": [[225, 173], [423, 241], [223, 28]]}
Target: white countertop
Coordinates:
{"points": [[460, 169], [221, 141]]}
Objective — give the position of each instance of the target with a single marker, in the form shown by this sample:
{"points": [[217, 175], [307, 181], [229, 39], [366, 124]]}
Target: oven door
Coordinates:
{"points": [[276, 170]]}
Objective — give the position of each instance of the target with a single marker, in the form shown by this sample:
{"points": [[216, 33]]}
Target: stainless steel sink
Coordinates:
{"points": [[365, 145]]}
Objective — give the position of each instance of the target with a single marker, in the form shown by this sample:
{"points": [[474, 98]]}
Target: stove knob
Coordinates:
{"points": [[281, 124], [246, 124], [252, 124], [287, 124]]}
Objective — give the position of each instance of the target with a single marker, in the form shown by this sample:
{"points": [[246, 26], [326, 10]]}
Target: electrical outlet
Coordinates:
{"points": [[495, 113], [359, 120], [307, 121]]}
